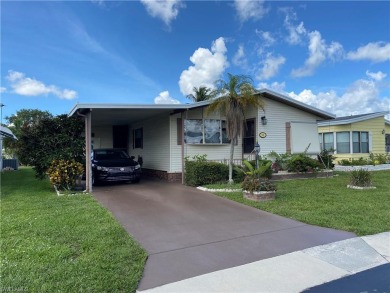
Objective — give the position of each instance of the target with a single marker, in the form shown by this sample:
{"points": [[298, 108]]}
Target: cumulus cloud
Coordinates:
{"points": [[363, 96], [378, 76], [247, 10], [376, 52], [166, 10], [271, 65], [165, 98], [208, 67], [318, 52], [27, 86]]}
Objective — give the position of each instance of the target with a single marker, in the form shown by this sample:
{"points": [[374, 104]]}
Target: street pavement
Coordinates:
{"points": [[359, 264]]}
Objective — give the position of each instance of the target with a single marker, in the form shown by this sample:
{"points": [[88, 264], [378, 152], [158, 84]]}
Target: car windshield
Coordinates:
{"points": [[110, 155]]}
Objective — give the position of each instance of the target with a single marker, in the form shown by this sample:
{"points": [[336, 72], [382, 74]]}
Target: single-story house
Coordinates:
{"points": [[355, 136], [5, 132], [164, 135]]}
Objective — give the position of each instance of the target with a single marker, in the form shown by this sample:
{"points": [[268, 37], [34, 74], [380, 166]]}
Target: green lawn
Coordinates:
{"points": [[62, 244], [327, 202]]}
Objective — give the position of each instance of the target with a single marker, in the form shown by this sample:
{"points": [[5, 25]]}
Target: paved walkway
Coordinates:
{"points": [[297, 271], [188, 232]]}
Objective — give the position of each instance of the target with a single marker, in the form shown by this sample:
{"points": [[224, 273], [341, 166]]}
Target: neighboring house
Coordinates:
{"points": [[166, 134], [4, 132], [355, 136]]}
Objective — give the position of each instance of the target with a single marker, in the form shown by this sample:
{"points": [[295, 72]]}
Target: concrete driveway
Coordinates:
{"points": [[188, 232]]}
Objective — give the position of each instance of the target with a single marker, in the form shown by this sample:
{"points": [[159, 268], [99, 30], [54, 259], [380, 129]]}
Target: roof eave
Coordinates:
{"points": [[351, 120]]}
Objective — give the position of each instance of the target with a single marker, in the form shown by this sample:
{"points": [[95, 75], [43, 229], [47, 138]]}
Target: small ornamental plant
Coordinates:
{"points": [[360, 178], [255, 179], [63, 174]]}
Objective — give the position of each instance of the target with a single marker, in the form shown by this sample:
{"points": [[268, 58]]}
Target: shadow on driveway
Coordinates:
{"points": [[188, 232]]}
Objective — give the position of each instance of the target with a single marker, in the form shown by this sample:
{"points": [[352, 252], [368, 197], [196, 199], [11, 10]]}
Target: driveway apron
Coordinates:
{"points": [[188, 232]]}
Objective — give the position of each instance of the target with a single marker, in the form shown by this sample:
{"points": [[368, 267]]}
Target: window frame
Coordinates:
{"points": [[360, 142], [346, 143], [221, 130]]}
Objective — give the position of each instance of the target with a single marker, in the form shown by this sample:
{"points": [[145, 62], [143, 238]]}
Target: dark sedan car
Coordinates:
{"points": [[114, 165]]}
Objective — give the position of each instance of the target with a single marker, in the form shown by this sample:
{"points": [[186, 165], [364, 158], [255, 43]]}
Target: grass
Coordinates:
{"points": [[327, 202], [62, 244]]}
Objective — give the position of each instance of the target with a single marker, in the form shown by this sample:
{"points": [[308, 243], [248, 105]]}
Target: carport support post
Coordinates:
{"points": [[88, 144]]}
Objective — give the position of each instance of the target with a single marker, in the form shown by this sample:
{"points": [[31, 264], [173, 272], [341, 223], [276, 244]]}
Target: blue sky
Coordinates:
{"points": [[332, 55]]}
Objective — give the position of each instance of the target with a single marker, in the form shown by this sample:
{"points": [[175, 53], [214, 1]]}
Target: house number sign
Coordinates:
{"points": [[263, 135]]}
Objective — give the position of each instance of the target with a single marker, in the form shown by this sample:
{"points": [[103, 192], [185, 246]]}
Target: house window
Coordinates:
{"points": [[249, 136], [360, 142], [138, 138], [207, 131], [326, 141], [342, 142]]}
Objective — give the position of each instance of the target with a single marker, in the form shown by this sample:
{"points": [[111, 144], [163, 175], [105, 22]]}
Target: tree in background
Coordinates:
{"points": [[22, 119], [52, 138], [234, 96], [201, 93]]}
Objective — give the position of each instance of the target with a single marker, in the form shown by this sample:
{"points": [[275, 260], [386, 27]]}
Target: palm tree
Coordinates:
{"points": [[234, 96], [201, 93]]}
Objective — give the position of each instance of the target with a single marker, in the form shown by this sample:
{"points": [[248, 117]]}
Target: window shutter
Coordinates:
{"points": [[370, 142], [179, 128]]}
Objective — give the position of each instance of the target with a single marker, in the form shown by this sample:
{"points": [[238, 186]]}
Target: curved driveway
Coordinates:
{"points": [[188, 232]]}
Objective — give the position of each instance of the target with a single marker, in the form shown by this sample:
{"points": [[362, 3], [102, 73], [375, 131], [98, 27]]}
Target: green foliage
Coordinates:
{"points": [[257, 184], [199, 171], [373, 159], [303, 163], [361, 178], [377, 159], [201, 93], [17, 122], [255, 179], [326, 158], [64, 173], [280, 161], [57, 138], [354, 162]]}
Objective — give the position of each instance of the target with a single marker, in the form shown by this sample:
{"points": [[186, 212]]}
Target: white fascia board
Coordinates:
{"points": [[351, 120]]}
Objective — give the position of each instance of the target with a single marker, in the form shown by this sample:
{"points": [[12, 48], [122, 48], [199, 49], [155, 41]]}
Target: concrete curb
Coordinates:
{"points": [[293, 272]]}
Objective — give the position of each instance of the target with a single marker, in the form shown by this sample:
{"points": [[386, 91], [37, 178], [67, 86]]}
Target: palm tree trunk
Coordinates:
{"points": [[231, 162]]}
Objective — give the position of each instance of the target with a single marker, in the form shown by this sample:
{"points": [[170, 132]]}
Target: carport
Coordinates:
{"points": [[188, 232], [102, 114]]}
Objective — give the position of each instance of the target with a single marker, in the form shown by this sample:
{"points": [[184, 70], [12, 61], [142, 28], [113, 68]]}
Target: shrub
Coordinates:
{"points": [[201, 172], [303, 163], [280, 160], [360, 178], [238, 174], [64, 173], [377, 159], [326, 158], [354, 162], [262, 162], [255, 179]]}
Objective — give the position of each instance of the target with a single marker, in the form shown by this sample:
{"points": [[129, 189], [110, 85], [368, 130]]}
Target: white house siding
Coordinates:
{"points": [[277, 115], [214, 152], [155, 151]]}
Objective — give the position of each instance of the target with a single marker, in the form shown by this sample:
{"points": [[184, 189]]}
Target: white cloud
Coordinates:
{"points": [[166, 10], [378, 76], [376, 52], [295, 32], [3, 89], [208, 67], [267, 38], [319, 51], [27, 86], [250, 9], [239, 59], [165, 98], [276, 86], [271, 66], [363, 96]]}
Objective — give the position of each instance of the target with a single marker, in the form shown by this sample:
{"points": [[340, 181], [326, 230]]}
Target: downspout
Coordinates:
{"points": [[88, 163]]}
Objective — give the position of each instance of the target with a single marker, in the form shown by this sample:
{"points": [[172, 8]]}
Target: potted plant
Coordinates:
{"points": [[255, 186]]}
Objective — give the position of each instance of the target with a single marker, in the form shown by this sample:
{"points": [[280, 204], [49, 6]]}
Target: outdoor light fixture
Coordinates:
{"points": [[383, 131], [264, 120]]}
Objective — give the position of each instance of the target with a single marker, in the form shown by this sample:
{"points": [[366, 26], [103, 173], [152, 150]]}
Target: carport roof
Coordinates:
{"points": [[103, 113]]}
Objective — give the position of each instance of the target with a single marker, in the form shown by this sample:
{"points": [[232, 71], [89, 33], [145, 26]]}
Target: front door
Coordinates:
{"points": [[249, 136], [120, 136]]}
